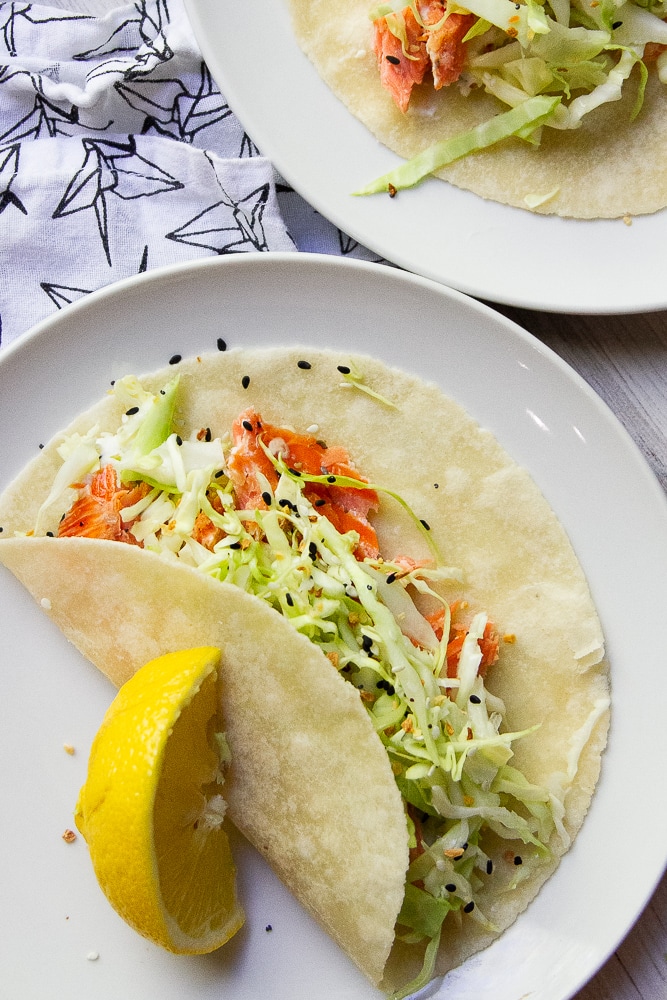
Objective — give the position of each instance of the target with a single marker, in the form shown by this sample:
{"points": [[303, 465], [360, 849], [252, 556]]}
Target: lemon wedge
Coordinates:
{"points": [[151, 810]]}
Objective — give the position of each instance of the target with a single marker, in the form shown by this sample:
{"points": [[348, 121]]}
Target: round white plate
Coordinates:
{"points": [[488, 250], [549, 420]]}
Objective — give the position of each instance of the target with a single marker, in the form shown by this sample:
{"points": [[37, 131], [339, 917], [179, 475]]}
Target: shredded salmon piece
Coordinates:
{"points": [[489, 642], [442, 50], [345, 507], [96, 511]]}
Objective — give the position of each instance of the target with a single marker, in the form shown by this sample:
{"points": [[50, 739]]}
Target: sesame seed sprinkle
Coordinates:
{"points": [[245, 381], [391, 578], [247, 425], [475, 699], [290, 600], [450, 887], [425, 524], [305, 365], [343, 369], [469, 907], [394, 60], [518, 860], [132, 410], [489, 866], [222, 344], [175, 358], [266, 497], [179, 440]]}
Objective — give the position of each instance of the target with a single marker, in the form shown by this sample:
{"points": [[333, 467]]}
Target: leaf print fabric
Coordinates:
{"points": [[118, 154]]}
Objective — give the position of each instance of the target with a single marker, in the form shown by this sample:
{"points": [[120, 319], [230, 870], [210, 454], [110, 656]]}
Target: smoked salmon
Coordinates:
{"points": [[434, 40]]}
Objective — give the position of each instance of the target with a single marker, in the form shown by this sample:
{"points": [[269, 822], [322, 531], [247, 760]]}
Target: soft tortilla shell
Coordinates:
{"points": [[486, 515], [608, 168], [310, 784]]}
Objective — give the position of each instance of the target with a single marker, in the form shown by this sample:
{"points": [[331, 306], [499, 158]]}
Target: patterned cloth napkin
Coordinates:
{"points": [[119, 154]]}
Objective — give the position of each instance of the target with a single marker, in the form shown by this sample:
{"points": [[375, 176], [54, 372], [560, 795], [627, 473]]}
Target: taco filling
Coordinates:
{"points": [[438, 81]]}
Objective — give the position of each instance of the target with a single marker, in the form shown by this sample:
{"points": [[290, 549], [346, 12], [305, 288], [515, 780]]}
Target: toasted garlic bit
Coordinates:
{"points": [[68, 748], [453, 852], [69, 836]]}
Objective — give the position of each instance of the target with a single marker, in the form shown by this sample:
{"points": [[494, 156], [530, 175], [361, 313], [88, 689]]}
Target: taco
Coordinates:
{"points": [[559, 108], [415, 739]]}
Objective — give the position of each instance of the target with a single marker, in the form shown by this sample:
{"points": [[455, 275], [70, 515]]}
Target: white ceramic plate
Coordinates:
{"points": [[488, 250], [547, 418]]}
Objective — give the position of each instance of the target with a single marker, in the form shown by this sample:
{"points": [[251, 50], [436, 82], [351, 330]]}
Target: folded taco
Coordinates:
{"points": [[558, 107], [416, 698]]}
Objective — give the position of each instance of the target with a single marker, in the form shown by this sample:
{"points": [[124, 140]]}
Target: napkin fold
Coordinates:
{"points": [[118, 153]]}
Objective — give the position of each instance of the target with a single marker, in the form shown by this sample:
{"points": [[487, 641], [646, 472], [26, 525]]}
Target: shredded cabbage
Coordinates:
{"points": [[443, 731]]}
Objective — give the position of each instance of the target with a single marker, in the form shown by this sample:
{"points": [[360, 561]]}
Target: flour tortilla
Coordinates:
{"points": [[122, 606], [608, 168]]}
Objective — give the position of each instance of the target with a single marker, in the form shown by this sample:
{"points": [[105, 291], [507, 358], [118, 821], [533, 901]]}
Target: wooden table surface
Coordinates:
{"points": [[624, 359]]}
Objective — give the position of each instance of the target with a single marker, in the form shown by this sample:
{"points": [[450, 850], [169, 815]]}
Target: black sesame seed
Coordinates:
{"points": [[320, 503], [391, 578], [49, 534], [366, 643], [41, 446], [179, 440], [518, 860], [1, 529], [475, 699], [425, 524], [343, 369], [469, 907], [284, 502], [382, 683], [436, 486], [390, 689], [175, 358], [222, 345], [268, 928], [113, 382], [245, 381], [290, 600], [369, 586], [305, 365], [295, 472], [489, 866], [247, 425], [465, 846], [162, 392], [208, 435], [617, 24], [450, 887], [312, 550], [394, 60], [219, 473], [235, 545], [331, 479], [266, 497], [131, 411]]}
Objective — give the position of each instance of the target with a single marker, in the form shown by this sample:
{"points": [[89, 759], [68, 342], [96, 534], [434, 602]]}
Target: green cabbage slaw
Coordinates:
{"points": [[550, 62], [443, 735]]}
